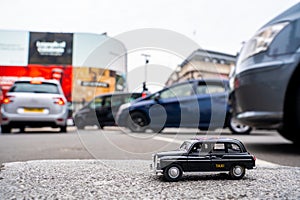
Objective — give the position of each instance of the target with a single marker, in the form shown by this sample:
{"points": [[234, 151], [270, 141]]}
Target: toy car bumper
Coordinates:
{"points": [[155, 170]]}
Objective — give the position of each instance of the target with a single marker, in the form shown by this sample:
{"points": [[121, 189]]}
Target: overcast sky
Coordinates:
{"points": [[218, 25]]}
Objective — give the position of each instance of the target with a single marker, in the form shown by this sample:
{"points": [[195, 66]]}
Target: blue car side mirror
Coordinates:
{"points": [[157, 97]]}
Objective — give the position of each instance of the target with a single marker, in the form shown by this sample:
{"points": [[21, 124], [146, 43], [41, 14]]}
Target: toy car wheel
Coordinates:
{"points": [[137, 122], [237, 172], [173, 173], [238, 128]]}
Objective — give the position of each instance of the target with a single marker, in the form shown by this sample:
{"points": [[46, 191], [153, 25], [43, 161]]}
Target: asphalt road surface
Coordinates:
{"points": [[117, 144]]}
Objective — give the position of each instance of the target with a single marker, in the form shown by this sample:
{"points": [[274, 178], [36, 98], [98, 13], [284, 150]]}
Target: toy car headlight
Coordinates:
{"points": [[158, 160], [261, 40]]}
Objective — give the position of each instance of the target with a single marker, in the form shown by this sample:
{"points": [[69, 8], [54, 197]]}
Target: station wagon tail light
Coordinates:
{"points": [[59, 101], [7, 100]]}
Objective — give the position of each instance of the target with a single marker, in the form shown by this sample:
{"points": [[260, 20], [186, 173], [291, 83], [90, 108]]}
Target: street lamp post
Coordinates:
{"points": [[146, 62]]}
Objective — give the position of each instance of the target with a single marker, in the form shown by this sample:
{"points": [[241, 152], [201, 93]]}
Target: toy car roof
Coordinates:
{"points": [[214, 139]]}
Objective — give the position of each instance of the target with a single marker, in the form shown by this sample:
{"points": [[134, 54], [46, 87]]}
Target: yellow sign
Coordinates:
{"points": [[220, 165], [36, 110]]}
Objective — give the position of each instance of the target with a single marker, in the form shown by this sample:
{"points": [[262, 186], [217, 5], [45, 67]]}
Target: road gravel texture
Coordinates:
{"points": [[131, 179]]}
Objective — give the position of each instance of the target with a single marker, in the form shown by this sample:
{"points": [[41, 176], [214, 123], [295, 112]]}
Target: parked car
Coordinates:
{"points": [[102, 109], [266, 89], [204, 155], [34, 102], [199, 104]]}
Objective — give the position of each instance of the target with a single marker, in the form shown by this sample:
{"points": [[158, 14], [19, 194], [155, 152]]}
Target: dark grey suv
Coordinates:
{"points": [[266, 90]]}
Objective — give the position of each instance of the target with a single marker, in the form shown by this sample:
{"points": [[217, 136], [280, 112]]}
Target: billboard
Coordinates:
{"points": [[62, 73], [82, 62], [50, 48], [14, 48]]}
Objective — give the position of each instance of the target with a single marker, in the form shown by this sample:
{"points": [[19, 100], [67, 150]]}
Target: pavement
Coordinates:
{"points": [[132, 179]]}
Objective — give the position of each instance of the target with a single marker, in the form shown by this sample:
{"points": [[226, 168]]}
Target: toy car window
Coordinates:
{"points": [[185, 146], [233, 148], [196, 148], [218, 148], [178, 91]]}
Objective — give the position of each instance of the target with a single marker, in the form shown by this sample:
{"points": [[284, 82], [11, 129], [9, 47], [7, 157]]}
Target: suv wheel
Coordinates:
{"points": [[238, 128], [291, 120], [173, 173], [237, 172], [137, 122]]}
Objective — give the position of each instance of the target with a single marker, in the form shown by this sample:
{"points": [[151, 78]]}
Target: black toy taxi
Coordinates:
{"points": [[204, 155]]}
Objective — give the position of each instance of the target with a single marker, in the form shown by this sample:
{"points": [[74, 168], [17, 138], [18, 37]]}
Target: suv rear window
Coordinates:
{"points": [[35, 88]]}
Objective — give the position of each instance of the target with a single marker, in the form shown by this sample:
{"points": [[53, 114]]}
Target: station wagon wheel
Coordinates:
{"points": [[237, 172], [5, 129], [63, 129], [173, 173], [137, 122], [238, 128]]}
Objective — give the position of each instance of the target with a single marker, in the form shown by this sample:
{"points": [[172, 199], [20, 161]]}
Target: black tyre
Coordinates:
{"points": [[63, 129], [22, 129], [137, 122], [289, 133], [101, 126], [79, 123], [237, 172], [173, 173], [157, 130], [5, 129], [238, 128], [291, 122]]}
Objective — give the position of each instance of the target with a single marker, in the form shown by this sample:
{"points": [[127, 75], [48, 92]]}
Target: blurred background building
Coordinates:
{"points": [[85, 64], [203, 64]]}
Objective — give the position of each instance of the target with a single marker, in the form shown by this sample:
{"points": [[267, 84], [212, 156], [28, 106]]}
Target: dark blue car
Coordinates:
{"points": [[199, 104]]}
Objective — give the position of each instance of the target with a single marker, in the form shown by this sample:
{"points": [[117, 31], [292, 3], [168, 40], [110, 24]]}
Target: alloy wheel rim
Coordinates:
{"points": [[237, 171], [173, 172], [238, 127]]}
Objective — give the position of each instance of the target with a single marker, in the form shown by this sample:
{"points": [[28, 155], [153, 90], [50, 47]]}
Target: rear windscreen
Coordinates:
{"points": [[35, 88]]}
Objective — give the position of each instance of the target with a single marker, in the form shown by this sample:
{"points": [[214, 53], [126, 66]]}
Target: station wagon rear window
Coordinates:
{"points": [[35, 88]]}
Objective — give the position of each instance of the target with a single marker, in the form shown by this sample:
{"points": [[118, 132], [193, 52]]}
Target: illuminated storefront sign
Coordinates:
{"points": [[51, 48]]}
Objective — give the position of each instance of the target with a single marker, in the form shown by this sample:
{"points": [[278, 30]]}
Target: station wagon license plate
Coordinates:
{"points": [[33, 110]]}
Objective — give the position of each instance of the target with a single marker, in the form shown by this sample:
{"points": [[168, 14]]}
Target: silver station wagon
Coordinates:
{"points": [[34, 102]]}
